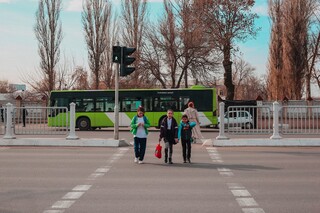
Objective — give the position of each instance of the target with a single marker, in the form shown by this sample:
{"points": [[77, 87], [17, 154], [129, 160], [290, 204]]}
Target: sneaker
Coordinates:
{"points": [[189, 160], [140, 162], [136, 160]]}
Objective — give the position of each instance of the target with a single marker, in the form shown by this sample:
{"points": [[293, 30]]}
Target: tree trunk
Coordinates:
{"points": [[227, 64]]}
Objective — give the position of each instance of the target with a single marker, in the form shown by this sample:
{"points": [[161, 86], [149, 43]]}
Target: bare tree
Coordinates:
{"points": [[275, 67], [134, 14], [49, 35], [112, 31], [80, 79], [4, 86], [95, 18], [228, 22]]}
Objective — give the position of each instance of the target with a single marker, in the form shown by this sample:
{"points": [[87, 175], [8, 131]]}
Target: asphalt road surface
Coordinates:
{"points": [[221, 180]]}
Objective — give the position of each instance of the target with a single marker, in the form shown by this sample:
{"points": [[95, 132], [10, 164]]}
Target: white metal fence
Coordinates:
{"points": [[34, 120], [275, 120]]}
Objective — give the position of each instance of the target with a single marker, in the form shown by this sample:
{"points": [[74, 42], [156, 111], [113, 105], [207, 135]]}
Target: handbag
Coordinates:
{"points": [[158, 150]]}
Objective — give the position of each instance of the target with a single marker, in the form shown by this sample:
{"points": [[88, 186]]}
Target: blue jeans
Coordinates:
{"points": [[140, 147]]}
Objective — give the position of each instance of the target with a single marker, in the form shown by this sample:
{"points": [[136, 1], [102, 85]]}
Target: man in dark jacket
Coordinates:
{"points": [[169, 132]]}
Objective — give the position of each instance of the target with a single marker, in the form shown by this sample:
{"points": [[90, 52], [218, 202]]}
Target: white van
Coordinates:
{"points": [[239, 118]]}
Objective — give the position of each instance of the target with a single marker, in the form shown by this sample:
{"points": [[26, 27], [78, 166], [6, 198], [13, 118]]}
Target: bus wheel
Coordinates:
{"points": [[83, 124]]}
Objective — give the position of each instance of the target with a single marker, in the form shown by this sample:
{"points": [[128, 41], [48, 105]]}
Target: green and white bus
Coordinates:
{"points": [[95, 108]]}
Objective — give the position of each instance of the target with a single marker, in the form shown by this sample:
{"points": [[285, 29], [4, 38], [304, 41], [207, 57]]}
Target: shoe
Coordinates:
{"points": [[170, 161], [136, 160], [140, 162], [165, 160], [184, 161], [189, 160]]}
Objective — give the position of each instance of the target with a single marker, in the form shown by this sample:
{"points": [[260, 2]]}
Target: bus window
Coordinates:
{"points": [[147, 104], [183, 102], [88, 103], [130, 105], [165, 103]]}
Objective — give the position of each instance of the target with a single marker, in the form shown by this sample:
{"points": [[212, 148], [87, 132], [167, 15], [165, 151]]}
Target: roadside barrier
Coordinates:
{"points": [[34, 121]]}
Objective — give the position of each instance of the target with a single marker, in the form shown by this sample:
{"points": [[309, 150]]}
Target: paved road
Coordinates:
{"points": [[243, 179]]}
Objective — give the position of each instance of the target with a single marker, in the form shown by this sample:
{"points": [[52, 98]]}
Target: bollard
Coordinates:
{"points": [[275, 134], [72, 134], [9, 124], [221, 135]]}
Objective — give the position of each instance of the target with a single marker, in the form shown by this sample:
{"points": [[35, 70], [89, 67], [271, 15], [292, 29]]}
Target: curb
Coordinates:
{"points": [[83, 142]]}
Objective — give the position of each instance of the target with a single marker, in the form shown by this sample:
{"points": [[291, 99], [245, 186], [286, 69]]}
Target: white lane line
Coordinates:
{"points": [[53, 211], [82, 188], [63, 204], [72, 195], [246, 202], [227, 174], [217, 161], [241, 193], [224, 170], [252, 210], [235, 186], [103, 170]]}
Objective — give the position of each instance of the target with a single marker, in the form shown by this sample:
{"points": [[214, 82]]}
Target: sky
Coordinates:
{"points": [[19, 48]]}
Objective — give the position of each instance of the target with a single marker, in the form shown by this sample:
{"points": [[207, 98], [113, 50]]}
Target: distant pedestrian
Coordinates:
{"points": [[139, 128], [185, 134], [169, 133], [193, 116], [24, 116]]}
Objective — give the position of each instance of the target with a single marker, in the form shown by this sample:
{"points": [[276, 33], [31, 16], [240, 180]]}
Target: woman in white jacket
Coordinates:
{"points": [[193, 116]]}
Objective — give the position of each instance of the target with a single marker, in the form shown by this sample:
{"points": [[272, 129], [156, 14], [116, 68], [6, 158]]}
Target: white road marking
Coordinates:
{"points": [[246, 202], [4, 148], [93, 176], [53, 211], [82, 188], [63, 204], [224, 170], [252, 210], [217, 161], [235, 186], [241, 193], [72, 195], [103, 170], [227, 174]]}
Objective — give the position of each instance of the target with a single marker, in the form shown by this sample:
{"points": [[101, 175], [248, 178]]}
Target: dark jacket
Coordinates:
{"points": [[169, 134], [184, 130]]}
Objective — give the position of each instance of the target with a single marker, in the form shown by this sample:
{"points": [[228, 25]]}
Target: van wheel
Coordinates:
{"points": [[83, 124]]}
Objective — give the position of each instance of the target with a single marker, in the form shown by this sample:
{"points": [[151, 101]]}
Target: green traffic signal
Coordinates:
{"points": [[116, 54], [126, 60]]}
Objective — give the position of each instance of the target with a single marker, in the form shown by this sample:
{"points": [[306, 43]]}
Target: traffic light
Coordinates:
{"points": [[116, 54], [126, 60]]}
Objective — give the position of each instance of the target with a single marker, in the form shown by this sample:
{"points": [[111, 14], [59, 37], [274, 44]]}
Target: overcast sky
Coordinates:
{"points": [[18, 45]]}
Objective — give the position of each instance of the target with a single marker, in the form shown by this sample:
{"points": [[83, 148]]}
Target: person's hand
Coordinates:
{"points": [[159, 140], [176, 140]]}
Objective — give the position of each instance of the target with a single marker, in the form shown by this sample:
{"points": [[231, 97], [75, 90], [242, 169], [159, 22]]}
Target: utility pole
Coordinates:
{"points": [[116, 99]]}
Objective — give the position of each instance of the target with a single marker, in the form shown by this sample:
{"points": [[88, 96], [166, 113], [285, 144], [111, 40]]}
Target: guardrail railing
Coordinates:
{"points": [[277, 120], [248, 120], [299, 120], [34, 120]]}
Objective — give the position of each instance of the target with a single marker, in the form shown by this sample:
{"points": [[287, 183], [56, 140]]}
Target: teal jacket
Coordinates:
{"points": [[185, 133], [134, 125]]}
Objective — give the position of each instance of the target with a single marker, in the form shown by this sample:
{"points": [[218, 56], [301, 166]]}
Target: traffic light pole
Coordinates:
{"points": [[116, 101]]}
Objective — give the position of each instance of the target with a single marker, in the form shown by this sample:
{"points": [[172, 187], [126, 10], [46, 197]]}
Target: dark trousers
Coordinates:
{"points": [[168, 149], [186, 149], [140, 147]]}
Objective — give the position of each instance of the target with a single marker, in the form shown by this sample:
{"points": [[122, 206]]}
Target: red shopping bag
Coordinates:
{"points": [[157, 152]]}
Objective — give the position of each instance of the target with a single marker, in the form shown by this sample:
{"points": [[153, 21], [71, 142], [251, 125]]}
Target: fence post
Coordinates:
{"points": [[72, 134], [9, 122], [275, 134], [221, 135]]}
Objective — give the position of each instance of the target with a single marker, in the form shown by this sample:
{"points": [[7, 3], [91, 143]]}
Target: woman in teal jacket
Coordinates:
{"points": [[185, 134], [139, 128]]}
